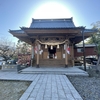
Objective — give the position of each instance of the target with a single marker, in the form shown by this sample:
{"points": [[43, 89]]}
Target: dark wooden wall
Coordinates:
{"points": [[88, 51]]}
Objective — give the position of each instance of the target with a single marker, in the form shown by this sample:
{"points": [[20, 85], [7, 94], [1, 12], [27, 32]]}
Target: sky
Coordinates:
{"points": [[19, 13]]}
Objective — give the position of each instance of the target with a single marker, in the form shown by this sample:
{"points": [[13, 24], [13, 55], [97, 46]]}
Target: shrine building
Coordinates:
{"points": [[52, 40]]}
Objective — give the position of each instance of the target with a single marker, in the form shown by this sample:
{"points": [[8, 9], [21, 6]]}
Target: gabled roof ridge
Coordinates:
{"points": [[36, 19]]}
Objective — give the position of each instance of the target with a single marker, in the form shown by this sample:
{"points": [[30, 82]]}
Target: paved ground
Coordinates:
{"points": [[44, 86]]}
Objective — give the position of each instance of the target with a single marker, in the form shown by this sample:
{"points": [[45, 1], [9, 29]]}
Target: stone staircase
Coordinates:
{"points": [[54, 70], [52, 62]]}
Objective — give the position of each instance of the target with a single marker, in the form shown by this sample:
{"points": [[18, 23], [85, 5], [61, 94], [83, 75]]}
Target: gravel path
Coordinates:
{"points": [[88, 87], [12, 90]]}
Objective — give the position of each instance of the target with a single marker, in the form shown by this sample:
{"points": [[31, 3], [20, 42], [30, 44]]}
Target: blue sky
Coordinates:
{"points": [[18, 13]]}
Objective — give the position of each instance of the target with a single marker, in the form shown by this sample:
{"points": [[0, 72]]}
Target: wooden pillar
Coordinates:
{"points": [[66, 55], [72, 55], [37, 62], [32, 55], [62, 51]]}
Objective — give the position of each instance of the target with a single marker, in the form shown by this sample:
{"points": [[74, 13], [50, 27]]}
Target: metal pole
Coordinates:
{"points": [[84, 60]]}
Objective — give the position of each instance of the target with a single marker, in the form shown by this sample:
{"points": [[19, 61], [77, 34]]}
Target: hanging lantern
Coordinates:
{"points": [[45, 46], [58, 46], [51, 47]]}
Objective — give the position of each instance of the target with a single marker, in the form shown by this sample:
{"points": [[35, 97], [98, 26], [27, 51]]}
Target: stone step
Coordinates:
{"points": [[76, 73], [43, 72], [55, 72]]}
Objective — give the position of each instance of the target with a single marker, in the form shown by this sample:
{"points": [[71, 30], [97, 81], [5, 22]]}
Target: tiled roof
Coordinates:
{"points": [[86, 45], [90, 30], [17, 31], [52, 23]]}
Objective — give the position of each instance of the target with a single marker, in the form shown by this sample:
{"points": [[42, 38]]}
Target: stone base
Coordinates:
{"points": [[66, 66], [37, 66]]}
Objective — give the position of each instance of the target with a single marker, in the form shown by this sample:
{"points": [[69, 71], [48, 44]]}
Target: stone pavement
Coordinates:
{"points": [[44, 86]]}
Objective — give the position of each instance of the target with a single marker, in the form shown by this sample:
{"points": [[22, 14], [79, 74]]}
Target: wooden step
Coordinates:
{"points": [[52, 62]]}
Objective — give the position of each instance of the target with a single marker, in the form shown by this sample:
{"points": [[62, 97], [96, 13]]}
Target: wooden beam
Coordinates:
{"points": [[34, 31]]}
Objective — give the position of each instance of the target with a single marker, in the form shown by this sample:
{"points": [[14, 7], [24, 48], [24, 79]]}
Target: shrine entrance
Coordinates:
{"points": [[52, 52], [52, 39]]}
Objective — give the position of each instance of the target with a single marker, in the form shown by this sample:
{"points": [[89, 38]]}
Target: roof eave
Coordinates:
{"points": [[24, 28]]}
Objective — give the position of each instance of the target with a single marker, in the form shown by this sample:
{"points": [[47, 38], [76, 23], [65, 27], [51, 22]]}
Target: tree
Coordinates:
{"points": [[23, 52], [22, 47], [7, 49], [95, 38]]}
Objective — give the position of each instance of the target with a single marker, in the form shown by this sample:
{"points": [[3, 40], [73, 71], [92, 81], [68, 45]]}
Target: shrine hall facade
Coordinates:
{"points": [[52, 40]]}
